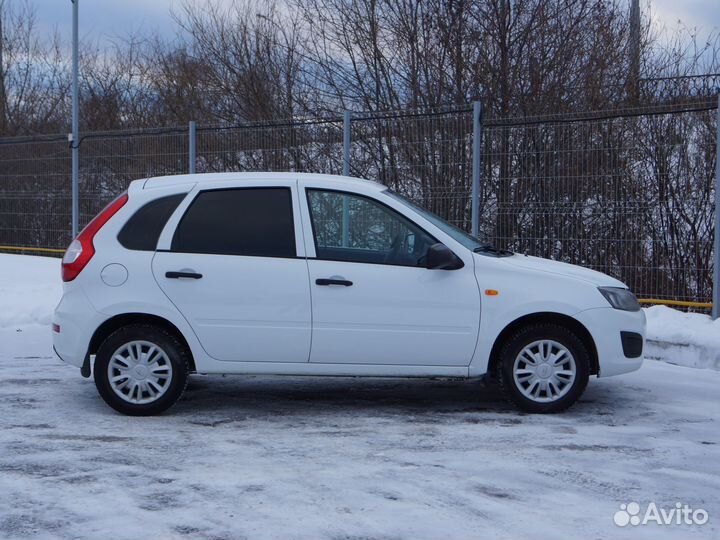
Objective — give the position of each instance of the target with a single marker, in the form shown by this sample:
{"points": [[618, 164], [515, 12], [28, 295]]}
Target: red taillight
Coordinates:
{"points": [[81, 249]]}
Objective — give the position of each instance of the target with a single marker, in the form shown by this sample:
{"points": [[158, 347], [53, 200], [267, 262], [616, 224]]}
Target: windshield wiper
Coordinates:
{"points": [[490, 249], [485, 246]]}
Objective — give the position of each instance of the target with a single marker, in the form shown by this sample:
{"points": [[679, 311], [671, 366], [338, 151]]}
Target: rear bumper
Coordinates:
{"points": [[607, 327], [76, 319]]}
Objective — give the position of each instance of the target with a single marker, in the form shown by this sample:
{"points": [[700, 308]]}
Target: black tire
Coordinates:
{"points": [[524, 337], [176, 352]]}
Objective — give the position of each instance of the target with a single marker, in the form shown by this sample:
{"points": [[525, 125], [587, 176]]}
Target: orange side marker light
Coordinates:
{"points": [[491, 292]]}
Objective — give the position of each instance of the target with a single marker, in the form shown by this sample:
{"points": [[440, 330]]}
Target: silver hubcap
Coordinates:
{"points": [[139, 372], [544, 371]]}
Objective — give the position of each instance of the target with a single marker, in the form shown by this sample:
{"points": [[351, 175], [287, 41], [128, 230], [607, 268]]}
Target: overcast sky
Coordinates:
{"points": [[105, 20]]}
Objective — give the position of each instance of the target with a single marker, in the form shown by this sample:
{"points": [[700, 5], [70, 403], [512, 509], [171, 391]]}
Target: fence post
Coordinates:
{"points": [[75, 142], [191, 150], [476, 167], [346, 172], [716, 243]]}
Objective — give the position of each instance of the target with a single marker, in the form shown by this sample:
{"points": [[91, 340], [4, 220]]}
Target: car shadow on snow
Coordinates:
{"points": [[263, 396]]}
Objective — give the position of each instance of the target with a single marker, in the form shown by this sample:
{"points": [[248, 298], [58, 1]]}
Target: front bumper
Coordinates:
{"points": [[606, 326]]}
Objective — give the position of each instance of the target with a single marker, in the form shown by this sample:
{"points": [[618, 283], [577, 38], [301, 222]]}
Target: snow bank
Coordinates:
{"points": [[671, 325], [30, 288], [687, 339]]}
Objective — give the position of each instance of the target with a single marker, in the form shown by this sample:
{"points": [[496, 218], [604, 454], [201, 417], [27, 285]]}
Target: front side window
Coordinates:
{"points": [[246, 221], [451, 230], [353, 228]]}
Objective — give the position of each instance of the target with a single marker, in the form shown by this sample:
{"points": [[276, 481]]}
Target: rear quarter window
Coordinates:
{"points": [[142, 231]]}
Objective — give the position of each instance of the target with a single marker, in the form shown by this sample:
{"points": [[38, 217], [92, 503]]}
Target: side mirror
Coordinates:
{"points": [[439, 257]]}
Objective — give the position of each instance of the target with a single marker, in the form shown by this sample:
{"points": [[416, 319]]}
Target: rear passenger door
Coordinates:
{"points": [[235, 269]]}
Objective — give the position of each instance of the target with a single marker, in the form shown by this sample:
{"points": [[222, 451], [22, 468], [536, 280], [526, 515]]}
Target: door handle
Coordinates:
{"points": [[178, 275], [332, 281]]}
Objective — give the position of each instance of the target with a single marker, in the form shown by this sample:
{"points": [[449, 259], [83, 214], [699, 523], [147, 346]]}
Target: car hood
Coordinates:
{"points": [[562, 269]]}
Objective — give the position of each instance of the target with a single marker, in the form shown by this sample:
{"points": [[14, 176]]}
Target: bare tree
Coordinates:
{"points": [[237, 62], [33, 76], [117, 88]]}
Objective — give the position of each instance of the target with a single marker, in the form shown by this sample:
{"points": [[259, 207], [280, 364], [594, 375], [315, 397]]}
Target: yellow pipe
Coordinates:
{"points": [[39, 249], [679, 303]]}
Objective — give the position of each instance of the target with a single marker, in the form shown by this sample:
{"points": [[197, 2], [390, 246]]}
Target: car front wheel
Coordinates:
{"points": [[543, 368], [141, 370]]}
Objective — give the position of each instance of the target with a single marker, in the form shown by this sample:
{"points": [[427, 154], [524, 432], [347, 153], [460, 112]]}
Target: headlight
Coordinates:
{"points": [[620, 298]]}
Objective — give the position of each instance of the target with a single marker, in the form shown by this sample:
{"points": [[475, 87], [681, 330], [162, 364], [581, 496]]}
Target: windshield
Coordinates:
{"points": [[456, 233]]}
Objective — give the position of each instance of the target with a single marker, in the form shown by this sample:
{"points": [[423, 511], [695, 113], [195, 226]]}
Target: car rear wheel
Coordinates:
{"points": [[543, 368], [141, 370]]}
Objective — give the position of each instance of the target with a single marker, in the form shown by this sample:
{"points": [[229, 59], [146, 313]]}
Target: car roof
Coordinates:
{"points": [[183, 179]]}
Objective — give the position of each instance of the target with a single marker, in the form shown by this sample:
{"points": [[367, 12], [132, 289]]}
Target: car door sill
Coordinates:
{"points": [[333, 370]]}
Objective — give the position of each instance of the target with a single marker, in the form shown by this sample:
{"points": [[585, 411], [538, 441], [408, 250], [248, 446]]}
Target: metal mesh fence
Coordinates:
{"points": [[311, 146], [631, 196], [110, 161], [35, 202], [425, 156], [629, 193]]}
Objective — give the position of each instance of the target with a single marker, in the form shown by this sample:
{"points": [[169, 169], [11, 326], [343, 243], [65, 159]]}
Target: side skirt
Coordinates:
{"points": [[333, 370]]}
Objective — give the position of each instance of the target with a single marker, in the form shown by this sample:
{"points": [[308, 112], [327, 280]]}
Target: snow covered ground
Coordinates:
{"points": [[264, 457]]}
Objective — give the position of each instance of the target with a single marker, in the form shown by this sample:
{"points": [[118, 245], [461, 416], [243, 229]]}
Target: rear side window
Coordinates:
{"points": [[246, 221], [142, 230]]}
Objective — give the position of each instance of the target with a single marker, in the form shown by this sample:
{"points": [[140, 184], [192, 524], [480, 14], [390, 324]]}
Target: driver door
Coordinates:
{"points": [[373, 301]]}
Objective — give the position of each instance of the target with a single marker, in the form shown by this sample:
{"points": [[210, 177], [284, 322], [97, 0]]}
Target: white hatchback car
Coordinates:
{"points": [[303, 274]]}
